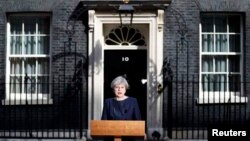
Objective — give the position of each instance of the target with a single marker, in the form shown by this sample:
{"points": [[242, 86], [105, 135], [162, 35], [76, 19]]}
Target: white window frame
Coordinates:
{"points": [[22, 98], [210, 97]]}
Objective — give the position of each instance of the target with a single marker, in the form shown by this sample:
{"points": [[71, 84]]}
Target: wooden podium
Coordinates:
{"points": [[117, 128]]}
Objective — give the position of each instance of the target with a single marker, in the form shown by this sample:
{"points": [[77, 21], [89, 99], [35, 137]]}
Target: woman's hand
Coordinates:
{"points": [[145, 137]]}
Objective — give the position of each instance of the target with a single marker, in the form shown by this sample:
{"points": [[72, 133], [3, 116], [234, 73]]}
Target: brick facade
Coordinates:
{"points": [[178, 14]]}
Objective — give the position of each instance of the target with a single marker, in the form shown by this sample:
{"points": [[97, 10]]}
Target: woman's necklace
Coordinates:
{"points": [[121, 98]]}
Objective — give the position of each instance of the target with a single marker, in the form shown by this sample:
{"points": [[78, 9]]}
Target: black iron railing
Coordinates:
{"points": [[57, 114], [191, 111]]}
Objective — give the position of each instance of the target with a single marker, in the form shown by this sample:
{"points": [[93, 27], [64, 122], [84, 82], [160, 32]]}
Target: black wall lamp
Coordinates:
{"points": [[126, 12]]}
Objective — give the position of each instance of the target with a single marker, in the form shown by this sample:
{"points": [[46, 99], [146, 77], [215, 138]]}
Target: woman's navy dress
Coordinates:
{"points": [[126, 109]]}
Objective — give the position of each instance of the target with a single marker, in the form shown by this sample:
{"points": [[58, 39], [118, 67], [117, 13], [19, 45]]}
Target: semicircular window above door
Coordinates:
{"points": [[125, 36]]}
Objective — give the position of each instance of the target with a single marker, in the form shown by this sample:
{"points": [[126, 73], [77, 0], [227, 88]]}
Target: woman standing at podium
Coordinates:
{"points": [[121, 107]]}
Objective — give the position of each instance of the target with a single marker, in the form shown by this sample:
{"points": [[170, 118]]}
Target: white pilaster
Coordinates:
{"points": [[155, 95], [91, 14]]}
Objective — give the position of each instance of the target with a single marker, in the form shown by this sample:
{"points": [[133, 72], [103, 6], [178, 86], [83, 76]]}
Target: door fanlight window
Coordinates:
{"points": [[125, 36]]}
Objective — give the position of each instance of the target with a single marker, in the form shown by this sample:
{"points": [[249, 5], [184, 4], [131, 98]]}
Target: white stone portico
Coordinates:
{"points": [[151, 26]]}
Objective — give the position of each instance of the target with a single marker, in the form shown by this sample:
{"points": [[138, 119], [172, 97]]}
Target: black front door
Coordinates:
{"points": [[133, 65]]}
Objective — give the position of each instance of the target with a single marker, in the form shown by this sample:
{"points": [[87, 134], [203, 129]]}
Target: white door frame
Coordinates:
{"points": [[155, 22]]}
